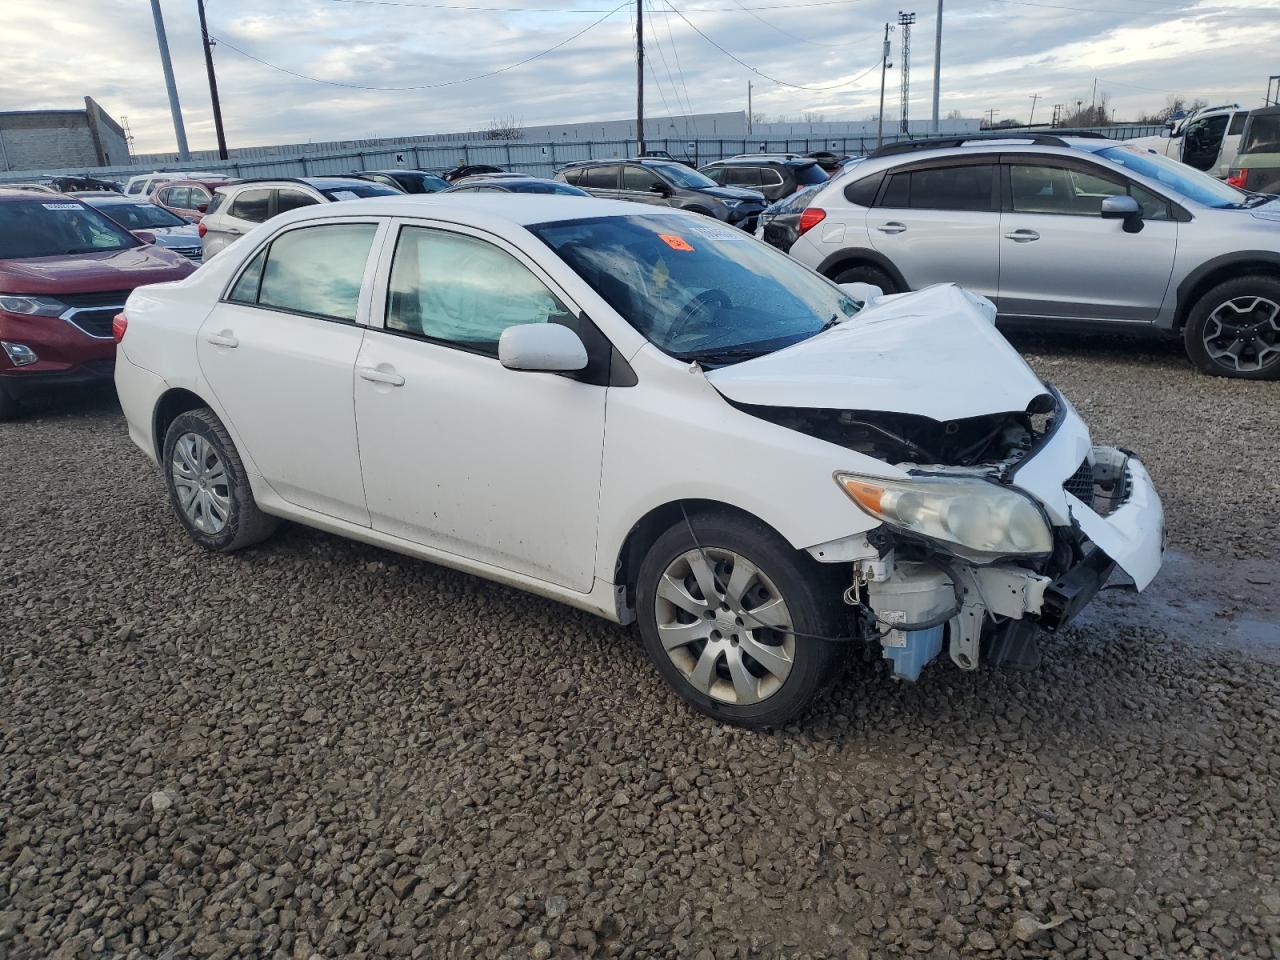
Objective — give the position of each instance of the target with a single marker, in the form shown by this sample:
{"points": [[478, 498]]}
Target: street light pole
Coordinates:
{"points": [[640, 75], [166, 65], [937, 66], [884, 69]]}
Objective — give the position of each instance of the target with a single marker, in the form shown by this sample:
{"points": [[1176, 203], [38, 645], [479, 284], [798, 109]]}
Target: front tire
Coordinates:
{"points": [[208, 485], [1234, 329], [732, 626]]}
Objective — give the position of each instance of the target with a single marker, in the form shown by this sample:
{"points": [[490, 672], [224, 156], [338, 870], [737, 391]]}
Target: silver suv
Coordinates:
{"points": [[1067, 232], [665, 183], [236, 209]]}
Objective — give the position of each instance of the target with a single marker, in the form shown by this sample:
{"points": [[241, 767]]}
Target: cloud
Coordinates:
{"points": [[995, 54]]}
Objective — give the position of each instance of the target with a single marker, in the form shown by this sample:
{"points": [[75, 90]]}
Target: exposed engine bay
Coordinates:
{"points": [[994, 440]]}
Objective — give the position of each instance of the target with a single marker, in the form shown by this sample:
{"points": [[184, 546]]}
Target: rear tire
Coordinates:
{"points": [[208, 485], [1234, 329], [704, 647], [865, 273]]}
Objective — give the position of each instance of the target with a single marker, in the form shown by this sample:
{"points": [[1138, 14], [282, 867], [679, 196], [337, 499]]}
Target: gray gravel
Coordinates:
{"points": [[317, 748]]}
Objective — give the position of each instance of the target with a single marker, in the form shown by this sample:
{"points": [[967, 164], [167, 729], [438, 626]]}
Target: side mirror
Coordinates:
{"points": [[862, 292], [548, 347], [146, 236], [202, 208], [1124, 208], [660, 188]]}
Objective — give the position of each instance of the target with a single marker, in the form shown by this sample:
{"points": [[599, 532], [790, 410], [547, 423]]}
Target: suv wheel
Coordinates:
{"points": [[731, 620], [865, 273], [208, 486], [1234, 329]]}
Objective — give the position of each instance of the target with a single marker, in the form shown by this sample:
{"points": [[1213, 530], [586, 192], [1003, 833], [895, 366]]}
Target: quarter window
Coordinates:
{"points": [[574, 177], [317, 270], [770, 177], [462, 291], [251, 205]]}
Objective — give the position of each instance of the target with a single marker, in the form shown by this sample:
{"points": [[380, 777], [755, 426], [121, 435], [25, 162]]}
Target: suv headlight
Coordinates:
{"points": [[972, 514], [729, 203], [32, 306]]}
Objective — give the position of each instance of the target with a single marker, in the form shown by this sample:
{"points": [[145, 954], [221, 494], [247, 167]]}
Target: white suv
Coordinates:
{"points": [[144, 184], [1071, 232]]}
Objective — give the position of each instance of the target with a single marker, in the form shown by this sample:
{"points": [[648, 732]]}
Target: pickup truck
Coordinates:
{"points": [[1207, 139]]}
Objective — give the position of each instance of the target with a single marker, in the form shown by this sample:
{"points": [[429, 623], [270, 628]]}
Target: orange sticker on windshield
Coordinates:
{"points": [[675, 243]]}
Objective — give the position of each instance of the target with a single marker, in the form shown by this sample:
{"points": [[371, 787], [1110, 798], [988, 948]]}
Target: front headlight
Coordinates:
{"points": [[32, 306], [975, 515], [730, 203]]}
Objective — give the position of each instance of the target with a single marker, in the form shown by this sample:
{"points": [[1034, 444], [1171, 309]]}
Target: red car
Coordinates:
{"points": [[188, 198], [65, 272]]}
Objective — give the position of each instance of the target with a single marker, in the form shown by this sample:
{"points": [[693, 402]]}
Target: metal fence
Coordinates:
{"points": [[538, 159]]}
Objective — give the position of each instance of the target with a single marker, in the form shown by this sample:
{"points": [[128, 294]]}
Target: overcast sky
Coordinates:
{"points": [[996, 54]]}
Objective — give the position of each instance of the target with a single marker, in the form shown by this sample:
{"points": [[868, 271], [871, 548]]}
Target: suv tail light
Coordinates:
{"points": [[119, 324], [810, 218], [1239, 178], [202, 229]]}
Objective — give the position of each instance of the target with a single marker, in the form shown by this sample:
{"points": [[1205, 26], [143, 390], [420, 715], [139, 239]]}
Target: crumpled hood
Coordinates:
{"points": [[935, 353], [734, 193]]}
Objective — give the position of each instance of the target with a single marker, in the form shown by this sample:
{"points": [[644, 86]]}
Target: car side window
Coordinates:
{"points": [[246, 288], [287, 200], [462, 291], [863, 192], [317, 270], [199, 195], [637, 178], [180, 197], [742, 177], [1237, 123], [1073, 192], [714, 173], [573, 177], [964, 187], [251, 205], [601, 178], [770, 177]]}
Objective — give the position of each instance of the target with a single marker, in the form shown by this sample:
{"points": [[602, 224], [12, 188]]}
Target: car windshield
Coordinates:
{"points": [[697, 289], [1263, 135], [1179, 177], [139, 216], [354, 191], [682, 176], [421, 182], [53, 227]]}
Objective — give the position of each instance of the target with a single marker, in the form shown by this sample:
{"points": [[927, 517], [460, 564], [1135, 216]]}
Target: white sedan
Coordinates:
{"points": [[643, 414]]}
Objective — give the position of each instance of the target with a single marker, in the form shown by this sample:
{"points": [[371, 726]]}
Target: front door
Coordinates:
{"points": [[279, 352], [940, 223], [1059, 259], [642, 186], [459, 453]]}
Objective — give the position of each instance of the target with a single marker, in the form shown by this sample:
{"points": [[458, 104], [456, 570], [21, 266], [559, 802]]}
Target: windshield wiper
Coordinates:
{"points": [[721, 357]]}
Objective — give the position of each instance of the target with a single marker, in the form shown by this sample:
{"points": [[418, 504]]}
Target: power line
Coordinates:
{"points": [[490, 9], [758, 72], [675, 53], [786, 33], [1140, 13], [426, 86], [675, 92]]}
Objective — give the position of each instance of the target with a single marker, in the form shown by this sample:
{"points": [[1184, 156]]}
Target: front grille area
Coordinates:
{"points": [[106, 298], [1080, 483], [191, 253], [96, 322]]}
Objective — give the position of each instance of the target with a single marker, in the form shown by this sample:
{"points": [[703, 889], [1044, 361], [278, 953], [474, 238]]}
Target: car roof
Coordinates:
{"points": [[97, 199], [394, 170], [13, 193], [481, 210], [768, 160], [320, 183]]}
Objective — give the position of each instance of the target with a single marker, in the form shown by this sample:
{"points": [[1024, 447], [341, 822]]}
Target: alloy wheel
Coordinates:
{"points": [[1243, 334], [202, 483], [725, 626]]}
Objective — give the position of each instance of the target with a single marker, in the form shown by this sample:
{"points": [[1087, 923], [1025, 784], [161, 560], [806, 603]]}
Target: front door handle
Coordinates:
{"points": [[893, 226], [381, 374], [224, 339], [1022, 236]]}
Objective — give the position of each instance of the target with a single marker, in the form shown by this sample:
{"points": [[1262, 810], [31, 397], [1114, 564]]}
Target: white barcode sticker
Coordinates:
{"points": [[61, 206]]}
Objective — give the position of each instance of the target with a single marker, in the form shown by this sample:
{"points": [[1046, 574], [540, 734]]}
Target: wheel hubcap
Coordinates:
{"points": [[201, 481], [725, 626], [1244, 334]]}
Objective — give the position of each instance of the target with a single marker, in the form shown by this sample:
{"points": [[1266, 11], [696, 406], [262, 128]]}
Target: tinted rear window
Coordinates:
{"points": [[965, 187], [251, 205], [1264, 135], [863, 192], [809, 174]]}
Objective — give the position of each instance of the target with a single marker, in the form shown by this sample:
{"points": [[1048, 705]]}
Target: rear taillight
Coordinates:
{"points": [[810, 218], [119, 324], [202, 229], [1239, 178]]}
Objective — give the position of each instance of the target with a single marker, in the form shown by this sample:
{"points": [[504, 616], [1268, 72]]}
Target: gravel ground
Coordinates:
{"points": [[317, 748]]}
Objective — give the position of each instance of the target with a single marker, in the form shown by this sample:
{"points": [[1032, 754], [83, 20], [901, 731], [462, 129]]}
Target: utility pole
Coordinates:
{"points": [[1032, 121], [640, 75], [174, 107], [213, 83], [1093, 104], [748, 108], [884, 69], [937, 66], [905, 20], [991, 118], [1058, 109]]}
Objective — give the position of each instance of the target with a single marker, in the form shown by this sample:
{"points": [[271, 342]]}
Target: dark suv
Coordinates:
{"points": [[776, 177], [65, 272], [665, 183]]}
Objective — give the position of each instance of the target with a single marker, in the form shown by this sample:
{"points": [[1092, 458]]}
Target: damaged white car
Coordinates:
{"points": [[643, 414]]}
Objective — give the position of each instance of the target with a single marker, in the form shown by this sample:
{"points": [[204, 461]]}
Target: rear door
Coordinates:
{"points": [[284, 339], [939, 222], [601, 181], [1060, 260]]}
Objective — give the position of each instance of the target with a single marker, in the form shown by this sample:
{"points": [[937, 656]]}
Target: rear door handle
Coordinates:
{"points": [[1022, 236], [224, 339], [893, 226], [381, 374]]}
